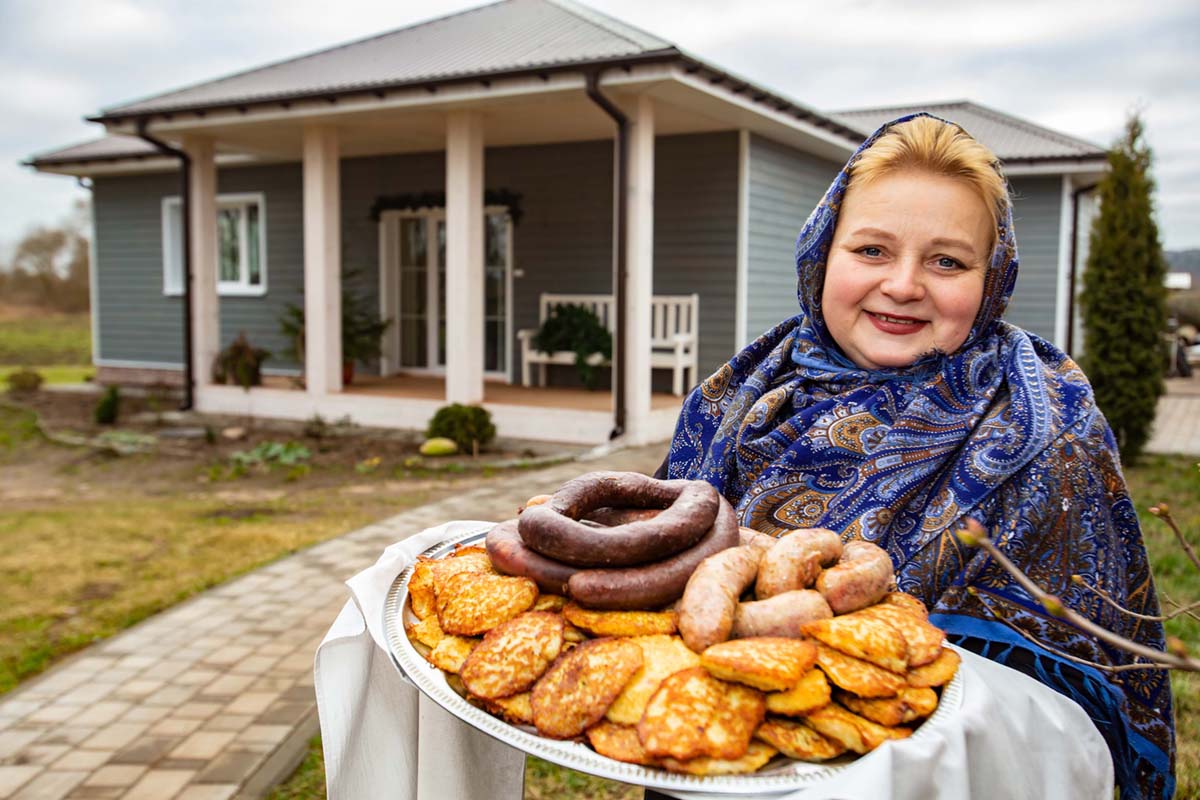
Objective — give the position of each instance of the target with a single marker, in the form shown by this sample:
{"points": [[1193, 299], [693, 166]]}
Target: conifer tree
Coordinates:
{"points": [[1123, 298]]}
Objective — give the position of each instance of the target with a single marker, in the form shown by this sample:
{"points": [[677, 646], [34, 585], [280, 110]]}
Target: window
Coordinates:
{"points": [[241, 245]]}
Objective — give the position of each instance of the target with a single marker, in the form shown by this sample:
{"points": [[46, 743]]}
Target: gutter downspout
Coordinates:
{"points": [[619, 272], [185, 194], [1070, 348]]}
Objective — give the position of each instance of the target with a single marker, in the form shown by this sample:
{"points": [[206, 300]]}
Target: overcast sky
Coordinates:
{"points": [[1078, 67]]}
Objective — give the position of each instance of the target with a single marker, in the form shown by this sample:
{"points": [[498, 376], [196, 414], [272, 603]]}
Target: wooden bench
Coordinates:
{"points": [[674, 320]]}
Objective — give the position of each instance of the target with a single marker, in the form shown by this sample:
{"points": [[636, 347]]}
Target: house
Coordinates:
{"points": [[453, 172]]}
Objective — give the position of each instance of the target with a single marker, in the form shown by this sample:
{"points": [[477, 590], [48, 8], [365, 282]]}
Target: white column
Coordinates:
{"points": [[206, 321], [464, 257], [639, 269], [1062, 290], [322, 262]]}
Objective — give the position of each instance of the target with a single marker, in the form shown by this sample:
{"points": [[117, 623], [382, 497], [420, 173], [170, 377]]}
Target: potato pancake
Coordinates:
{"points": [[661, 656], [796, 740], [471, 603], [769, 663], [810, 693], [513, 655], [857, 676], [581, 684], [620, 623], [693, 714]]}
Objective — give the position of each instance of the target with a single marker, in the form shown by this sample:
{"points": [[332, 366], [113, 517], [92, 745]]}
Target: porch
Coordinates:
{"points": [[574, 416]]}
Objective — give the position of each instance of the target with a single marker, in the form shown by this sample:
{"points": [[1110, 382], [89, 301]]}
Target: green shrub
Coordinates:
{"points": [[577, 329], [469, 427], [25, 380], [240, 363], [108, 407]]}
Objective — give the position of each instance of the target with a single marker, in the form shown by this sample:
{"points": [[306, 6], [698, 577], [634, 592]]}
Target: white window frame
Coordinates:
{"points": [[173, 277]]}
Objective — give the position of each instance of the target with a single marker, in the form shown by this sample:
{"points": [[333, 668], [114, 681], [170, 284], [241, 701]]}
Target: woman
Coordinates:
{"points": [[896, 404]]}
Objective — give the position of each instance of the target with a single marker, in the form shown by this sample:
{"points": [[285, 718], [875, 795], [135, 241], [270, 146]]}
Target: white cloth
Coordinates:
{"points": [[1012, 738]]}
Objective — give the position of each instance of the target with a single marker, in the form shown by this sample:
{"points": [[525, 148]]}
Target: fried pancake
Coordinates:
{"points": [[810, 693], [869, 638], [907, 602], [517, 709], [619, 742], [757, 754], [796, 740], [428, 632], [923, 638], [573, 634], [850, 730], [770, 663], [451, 652], [661, 656], [581, 684], [471, 603], [513, 655], [937, 673], [420, 588], [909, 706], [693, 714], [620, 623], [857, 676], [471, 560], [549, 602], [461, 550]]}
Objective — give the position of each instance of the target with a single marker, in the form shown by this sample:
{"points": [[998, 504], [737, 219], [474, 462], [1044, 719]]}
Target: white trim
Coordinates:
{"points": [[390, 354], [93, 286], [1096, 168], [224, 288], [132, 165], [1062, 285], [126, 364], [741, 300]]}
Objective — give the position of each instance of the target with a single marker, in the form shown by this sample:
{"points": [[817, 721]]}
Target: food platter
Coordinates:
{"points": [[781, 774]]}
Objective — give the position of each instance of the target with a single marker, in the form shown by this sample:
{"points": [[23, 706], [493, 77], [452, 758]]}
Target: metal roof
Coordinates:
{"points": [[1012, 139], [108, 148], [503, 37]]}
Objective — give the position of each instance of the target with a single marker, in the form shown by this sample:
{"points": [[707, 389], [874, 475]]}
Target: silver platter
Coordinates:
{"points": [[780, 775]]}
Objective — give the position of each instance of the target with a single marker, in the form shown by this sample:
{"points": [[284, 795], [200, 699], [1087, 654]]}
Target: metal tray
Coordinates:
{"points": [[780, 775]]}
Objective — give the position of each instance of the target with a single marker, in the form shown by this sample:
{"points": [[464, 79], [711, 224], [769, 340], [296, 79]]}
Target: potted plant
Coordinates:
{"points": [[362, 332], [576, 328]]}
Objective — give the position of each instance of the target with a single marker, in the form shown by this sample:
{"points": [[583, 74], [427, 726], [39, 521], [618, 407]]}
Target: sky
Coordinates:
{"points": [[1077, 67]]}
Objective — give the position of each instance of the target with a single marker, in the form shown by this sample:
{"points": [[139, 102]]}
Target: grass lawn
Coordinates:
{"points": [[45, 338], [54, 373], [1173, 479]]}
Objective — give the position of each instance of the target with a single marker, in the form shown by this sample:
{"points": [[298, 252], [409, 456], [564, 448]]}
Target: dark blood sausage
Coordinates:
{"points": [[609, 516], [658, 584], [554, 531], [510, 556]]}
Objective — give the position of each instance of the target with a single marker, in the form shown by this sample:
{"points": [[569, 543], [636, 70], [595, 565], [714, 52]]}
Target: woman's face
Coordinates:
{"points": [[905, 270]]}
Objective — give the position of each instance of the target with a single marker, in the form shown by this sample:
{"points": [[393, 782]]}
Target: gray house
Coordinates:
{"points": [[464, 174]]}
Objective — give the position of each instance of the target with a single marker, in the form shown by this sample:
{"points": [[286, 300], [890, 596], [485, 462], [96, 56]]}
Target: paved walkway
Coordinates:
{"points": [[213, 699], [1177, 421]]}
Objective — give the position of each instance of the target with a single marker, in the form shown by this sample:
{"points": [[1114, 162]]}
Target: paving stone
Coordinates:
{"points": [[116, 775], [285, 713], [53, 713], [146, 750], [87, 694], [82, 759], [145, 714], [101, 713], [264, 734], [14, 740], [14, 776], [228, 722], [253, 665], [212, 791], [115, 736], [229, 654], [96, 793], [158, 784], [203, 744], [196, 710], [50, 785], [196, 676], [175, 726], [232, 766], [44, 754], [68, 734], [227, 685], [251, 703], [138, 689], [118, 677]]}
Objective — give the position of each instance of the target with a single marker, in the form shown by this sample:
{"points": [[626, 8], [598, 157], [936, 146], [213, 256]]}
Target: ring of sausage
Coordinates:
{"points": [[553, 529], [510, 556]]}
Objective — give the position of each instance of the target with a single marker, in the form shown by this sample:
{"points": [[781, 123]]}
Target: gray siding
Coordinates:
{"points": [[137, 322], [1037, 205], [785, 185]]}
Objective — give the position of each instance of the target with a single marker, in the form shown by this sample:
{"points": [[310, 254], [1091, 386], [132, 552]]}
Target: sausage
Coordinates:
{"points": [[859, 579], [763, 541], [796, 560], [609, 516], [707, 608], [553, 529], [653, 585], [781, 615], [510, 556]]}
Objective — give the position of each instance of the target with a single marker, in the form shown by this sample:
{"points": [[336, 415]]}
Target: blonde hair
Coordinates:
{"points": [[939, 147]]}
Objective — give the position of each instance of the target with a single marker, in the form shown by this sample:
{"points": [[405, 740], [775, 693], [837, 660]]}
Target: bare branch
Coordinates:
{"points": [[1180, 608], [1163, 512]]}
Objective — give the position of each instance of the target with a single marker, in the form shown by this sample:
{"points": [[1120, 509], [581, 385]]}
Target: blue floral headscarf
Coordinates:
{"points": [[1005, 430]]}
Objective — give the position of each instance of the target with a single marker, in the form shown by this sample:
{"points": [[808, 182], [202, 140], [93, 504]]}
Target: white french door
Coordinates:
{"points": [[413, 290]]}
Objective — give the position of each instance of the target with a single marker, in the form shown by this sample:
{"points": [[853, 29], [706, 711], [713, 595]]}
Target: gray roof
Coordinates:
{"points": [[504, 37], [1012, 139], [108, 148]]}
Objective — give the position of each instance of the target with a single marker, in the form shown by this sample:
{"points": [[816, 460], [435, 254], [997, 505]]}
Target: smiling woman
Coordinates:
{"points": [[898, 404]]}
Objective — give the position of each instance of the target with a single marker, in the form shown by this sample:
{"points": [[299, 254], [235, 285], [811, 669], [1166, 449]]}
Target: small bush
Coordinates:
{"points": [[109, 407], [578, 329], [469, 427], [25, 380], [240, 363]]}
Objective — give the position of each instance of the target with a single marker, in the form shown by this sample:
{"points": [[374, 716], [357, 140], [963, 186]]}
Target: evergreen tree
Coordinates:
{"points": [[1124, 300]]}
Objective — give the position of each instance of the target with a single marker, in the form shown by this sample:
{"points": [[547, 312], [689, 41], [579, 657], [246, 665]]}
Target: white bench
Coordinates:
{"points": [[674, 319]]}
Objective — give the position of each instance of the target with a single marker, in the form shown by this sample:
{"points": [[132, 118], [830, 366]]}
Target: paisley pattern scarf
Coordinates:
{"points": [[1004, 430]]}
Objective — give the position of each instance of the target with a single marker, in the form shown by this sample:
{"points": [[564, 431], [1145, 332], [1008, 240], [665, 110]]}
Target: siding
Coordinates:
{"points": [[137, 322], [1036, 207], [785, 185]]}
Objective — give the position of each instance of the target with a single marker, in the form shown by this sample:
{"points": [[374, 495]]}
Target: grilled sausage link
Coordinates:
{"points": [[859, 579], [796, 560], [781, 615], [710, 598]]}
